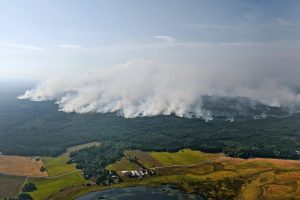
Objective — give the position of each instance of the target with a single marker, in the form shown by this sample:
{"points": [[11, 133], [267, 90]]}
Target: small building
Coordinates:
{"points": [[142, 173]]}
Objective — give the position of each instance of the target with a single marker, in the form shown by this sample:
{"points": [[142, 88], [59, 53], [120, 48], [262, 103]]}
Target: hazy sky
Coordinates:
{"points": [[39, 39]]}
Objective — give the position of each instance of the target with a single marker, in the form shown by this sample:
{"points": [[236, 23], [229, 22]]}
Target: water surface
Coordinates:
{"points": [[136, 193]]}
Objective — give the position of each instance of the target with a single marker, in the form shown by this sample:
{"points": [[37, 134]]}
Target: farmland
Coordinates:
{"points": [[211, 174], [22, 166], [48, 187], [10, 186], [61, 174], [183, 157], [218, 176], [57, 176], [58, 165]]}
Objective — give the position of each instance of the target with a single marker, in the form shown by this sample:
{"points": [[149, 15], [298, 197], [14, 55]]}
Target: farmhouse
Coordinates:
{"points": [[137, 174]]}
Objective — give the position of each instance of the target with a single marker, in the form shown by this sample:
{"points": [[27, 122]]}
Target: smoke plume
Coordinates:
{"points": [[148, 88]]}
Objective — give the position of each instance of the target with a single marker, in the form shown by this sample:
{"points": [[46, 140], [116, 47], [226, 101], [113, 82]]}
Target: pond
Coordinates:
{"points": [[165, 192]]}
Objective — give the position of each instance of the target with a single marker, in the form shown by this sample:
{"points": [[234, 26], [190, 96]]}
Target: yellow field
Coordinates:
{"points": [[123, 164], [215, 175], [22, 166], [223, 177], [183, 157]]}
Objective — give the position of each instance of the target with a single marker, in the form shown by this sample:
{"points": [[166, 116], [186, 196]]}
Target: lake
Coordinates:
{"points": [[165, 192]]}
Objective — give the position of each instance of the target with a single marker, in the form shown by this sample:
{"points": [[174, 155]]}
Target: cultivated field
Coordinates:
{"points": [[58, 165], [183, 157], [22, 166], [10, 186], [215, 175], [58, 174], [61, 174], [49, 186], [218, 176]]}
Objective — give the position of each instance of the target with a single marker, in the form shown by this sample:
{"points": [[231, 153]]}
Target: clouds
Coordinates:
{"points": [[107, 33], [184, 51], [22, 46], [37, 48], [69, 46], [166, 38]]}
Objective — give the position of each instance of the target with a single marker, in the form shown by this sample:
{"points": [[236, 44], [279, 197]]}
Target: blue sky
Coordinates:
{"points": [[42, 38]]}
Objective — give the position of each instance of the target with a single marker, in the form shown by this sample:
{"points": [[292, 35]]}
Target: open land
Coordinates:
{"points": [[213, 175], [10, 185], [57, 176], [58, 165], [48, 187], [61, 174], [21, 166]]}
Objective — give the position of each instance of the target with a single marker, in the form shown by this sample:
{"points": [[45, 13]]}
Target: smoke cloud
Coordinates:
{"points": [[266, 74]]}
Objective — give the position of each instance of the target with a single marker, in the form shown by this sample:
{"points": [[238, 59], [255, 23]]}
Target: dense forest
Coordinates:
{"points": [[94, 160], [37, 128]]}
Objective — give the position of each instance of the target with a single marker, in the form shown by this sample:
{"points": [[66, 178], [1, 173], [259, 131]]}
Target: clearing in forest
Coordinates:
{"points": [[58, 165], [21, 166]]}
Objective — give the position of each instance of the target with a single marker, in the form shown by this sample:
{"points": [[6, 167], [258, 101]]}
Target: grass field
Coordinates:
{"points": [[215, 175], [183, 157], [58, 165], [61, 174], [222, 177], [123, 164], [144, 157], [50, 186], [10, 186], [22, 166]]}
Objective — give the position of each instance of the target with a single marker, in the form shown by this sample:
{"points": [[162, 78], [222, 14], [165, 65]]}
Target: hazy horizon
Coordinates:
{"points": [[144, 58]]}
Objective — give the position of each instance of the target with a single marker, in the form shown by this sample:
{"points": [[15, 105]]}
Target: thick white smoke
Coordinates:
{"points": [[143, 88]]}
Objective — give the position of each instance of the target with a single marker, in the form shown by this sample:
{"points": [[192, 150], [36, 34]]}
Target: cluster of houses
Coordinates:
{"points": [[138, 173]]}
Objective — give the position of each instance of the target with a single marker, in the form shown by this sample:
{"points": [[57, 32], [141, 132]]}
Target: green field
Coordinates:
{"points": [[145, 158], [58, 165], [224, 178], [10, 186], [160, 159], [214, 175], [183, 157], [122, 165], [61, 174], [49, 186]]}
